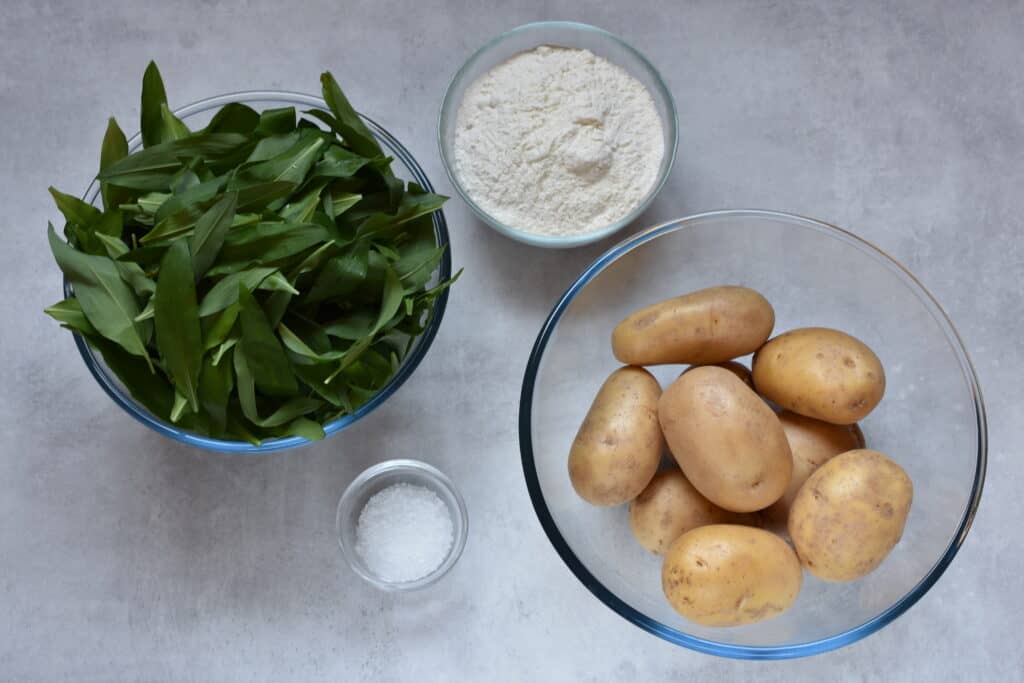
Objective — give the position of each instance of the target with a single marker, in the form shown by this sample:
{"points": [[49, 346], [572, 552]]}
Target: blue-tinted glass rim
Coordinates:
{"points": [[667, 632], [419, 350]]}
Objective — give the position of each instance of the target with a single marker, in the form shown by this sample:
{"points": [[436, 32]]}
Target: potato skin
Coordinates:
{"points": [[701, 328], [735, 367], [727, 441], [821, 373], [849, 514], [618, 447], [669, 507], [729, 575], [812, 443]]}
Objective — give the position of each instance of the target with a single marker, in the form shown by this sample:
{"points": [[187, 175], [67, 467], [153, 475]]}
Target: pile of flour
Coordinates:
{"points": [[557, 141]]}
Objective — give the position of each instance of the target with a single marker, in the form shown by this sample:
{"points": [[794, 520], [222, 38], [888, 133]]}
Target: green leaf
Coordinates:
{"points": [[149, 388], [270, 147], [391, 298], [337, 203], [305, 428], [173, 128], [148, 313], [299, 347], [290, 166], [154, 99], [233, 117], [338, 162], [276, 121], [269, 242], [154, 167], [260, 196], [115, 148], [355, 325], [223, 348], [225, 292], [130, 272], [300, 209], [210, 231], [189, 196], [348, 124], [262, 351], [75, 210], [217, 328], [69, 312], [105, 298], [246, 385], [276, 282], [216, 382], [178, 409], [341, 274], [179, 223], [178, 334]]}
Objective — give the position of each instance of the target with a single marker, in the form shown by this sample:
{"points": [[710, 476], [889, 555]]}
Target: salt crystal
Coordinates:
{"points": [[404, 532]]}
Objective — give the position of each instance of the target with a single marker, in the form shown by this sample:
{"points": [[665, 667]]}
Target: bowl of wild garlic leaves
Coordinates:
{"points": [[252, 272]]}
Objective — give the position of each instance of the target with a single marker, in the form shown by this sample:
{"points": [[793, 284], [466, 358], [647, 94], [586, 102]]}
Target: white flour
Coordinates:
{"points": [[557, 141]]}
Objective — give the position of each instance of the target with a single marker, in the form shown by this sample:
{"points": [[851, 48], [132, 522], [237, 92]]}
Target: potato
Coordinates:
{"points": [[702, 328], [729, 575], [727, 441], [849, 514], [812, 443], [821, 373], [735, 367], [669, 507], [618, 447]]}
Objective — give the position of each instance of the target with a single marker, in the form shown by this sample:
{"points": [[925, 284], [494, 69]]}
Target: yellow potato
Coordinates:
{"points": [[669, 507], [729, 575], [618, 446], [849, 514], [701, 328], [812, 443], [735, 367], [821, 373], [727, 441]]}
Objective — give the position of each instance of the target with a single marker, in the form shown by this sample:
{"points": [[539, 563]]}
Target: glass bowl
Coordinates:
{"points": [[379, 477], [561, 34], [931, 420], [197, 115]]}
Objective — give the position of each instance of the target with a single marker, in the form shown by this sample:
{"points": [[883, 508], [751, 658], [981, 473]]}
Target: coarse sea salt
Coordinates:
{"points": [[404, 532]]}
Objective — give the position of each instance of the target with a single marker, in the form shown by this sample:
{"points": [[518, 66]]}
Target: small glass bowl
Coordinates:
{"points": [[561, 34], [379, 477]]}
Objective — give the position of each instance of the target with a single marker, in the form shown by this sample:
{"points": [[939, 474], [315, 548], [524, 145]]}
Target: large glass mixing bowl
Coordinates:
{"points": [[931, 420], [196, 116]]}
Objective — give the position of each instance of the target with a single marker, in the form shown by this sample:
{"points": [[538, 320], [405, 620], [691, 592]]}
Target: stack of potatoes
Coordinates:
{"points": [[763, 455]]}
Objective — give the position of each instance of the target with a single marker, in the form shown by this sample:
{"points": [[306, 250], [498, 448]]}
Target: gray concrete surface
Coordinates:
{"points": [[124, 556]]}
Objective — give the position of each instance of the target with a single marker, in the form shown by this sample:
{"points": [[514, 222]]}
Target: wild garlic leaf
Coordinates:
{"points": [[154, 99], [107, 301], [210, 231], [276, 122], [173, 128], [217, 328], [178, 334], [225, 292], [75, 210], [348, 124], [216, 382], [131, 273], [114, 148], [146, 385], [341, 274], [233, 117], [262, 351], [69, 313]]}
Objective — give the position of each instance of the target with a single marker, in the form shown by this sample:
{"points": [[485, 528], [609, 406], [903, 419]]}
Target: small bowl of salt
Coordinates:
{"points": [[401, 525]]}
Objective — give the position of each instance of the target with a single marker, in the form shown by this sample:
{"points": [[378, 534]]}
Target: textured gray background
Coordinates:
{"points": [[126, 556]]}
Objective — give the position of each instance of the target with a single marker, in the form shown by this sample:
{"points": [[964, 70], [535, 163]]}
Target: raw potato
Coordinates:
{"points": [[618, 447], [669, 507], [701, 328], [729, 575], [735, 367], [849, 514], [727, 441], [821, 373], [812, 443]]}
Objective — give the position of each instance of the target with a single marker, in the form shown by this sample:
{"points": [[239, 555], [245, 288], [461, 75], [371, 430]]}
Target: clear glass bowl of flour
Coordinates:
{"points": [[398, 516], [558, 34]]}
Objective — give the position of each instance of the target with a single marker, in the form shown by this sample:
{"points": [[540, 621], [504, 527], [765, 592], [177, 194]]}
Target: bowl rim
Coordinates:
{"points": [[674, 635], [548, 241], [440, 479], [409, 364]]}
